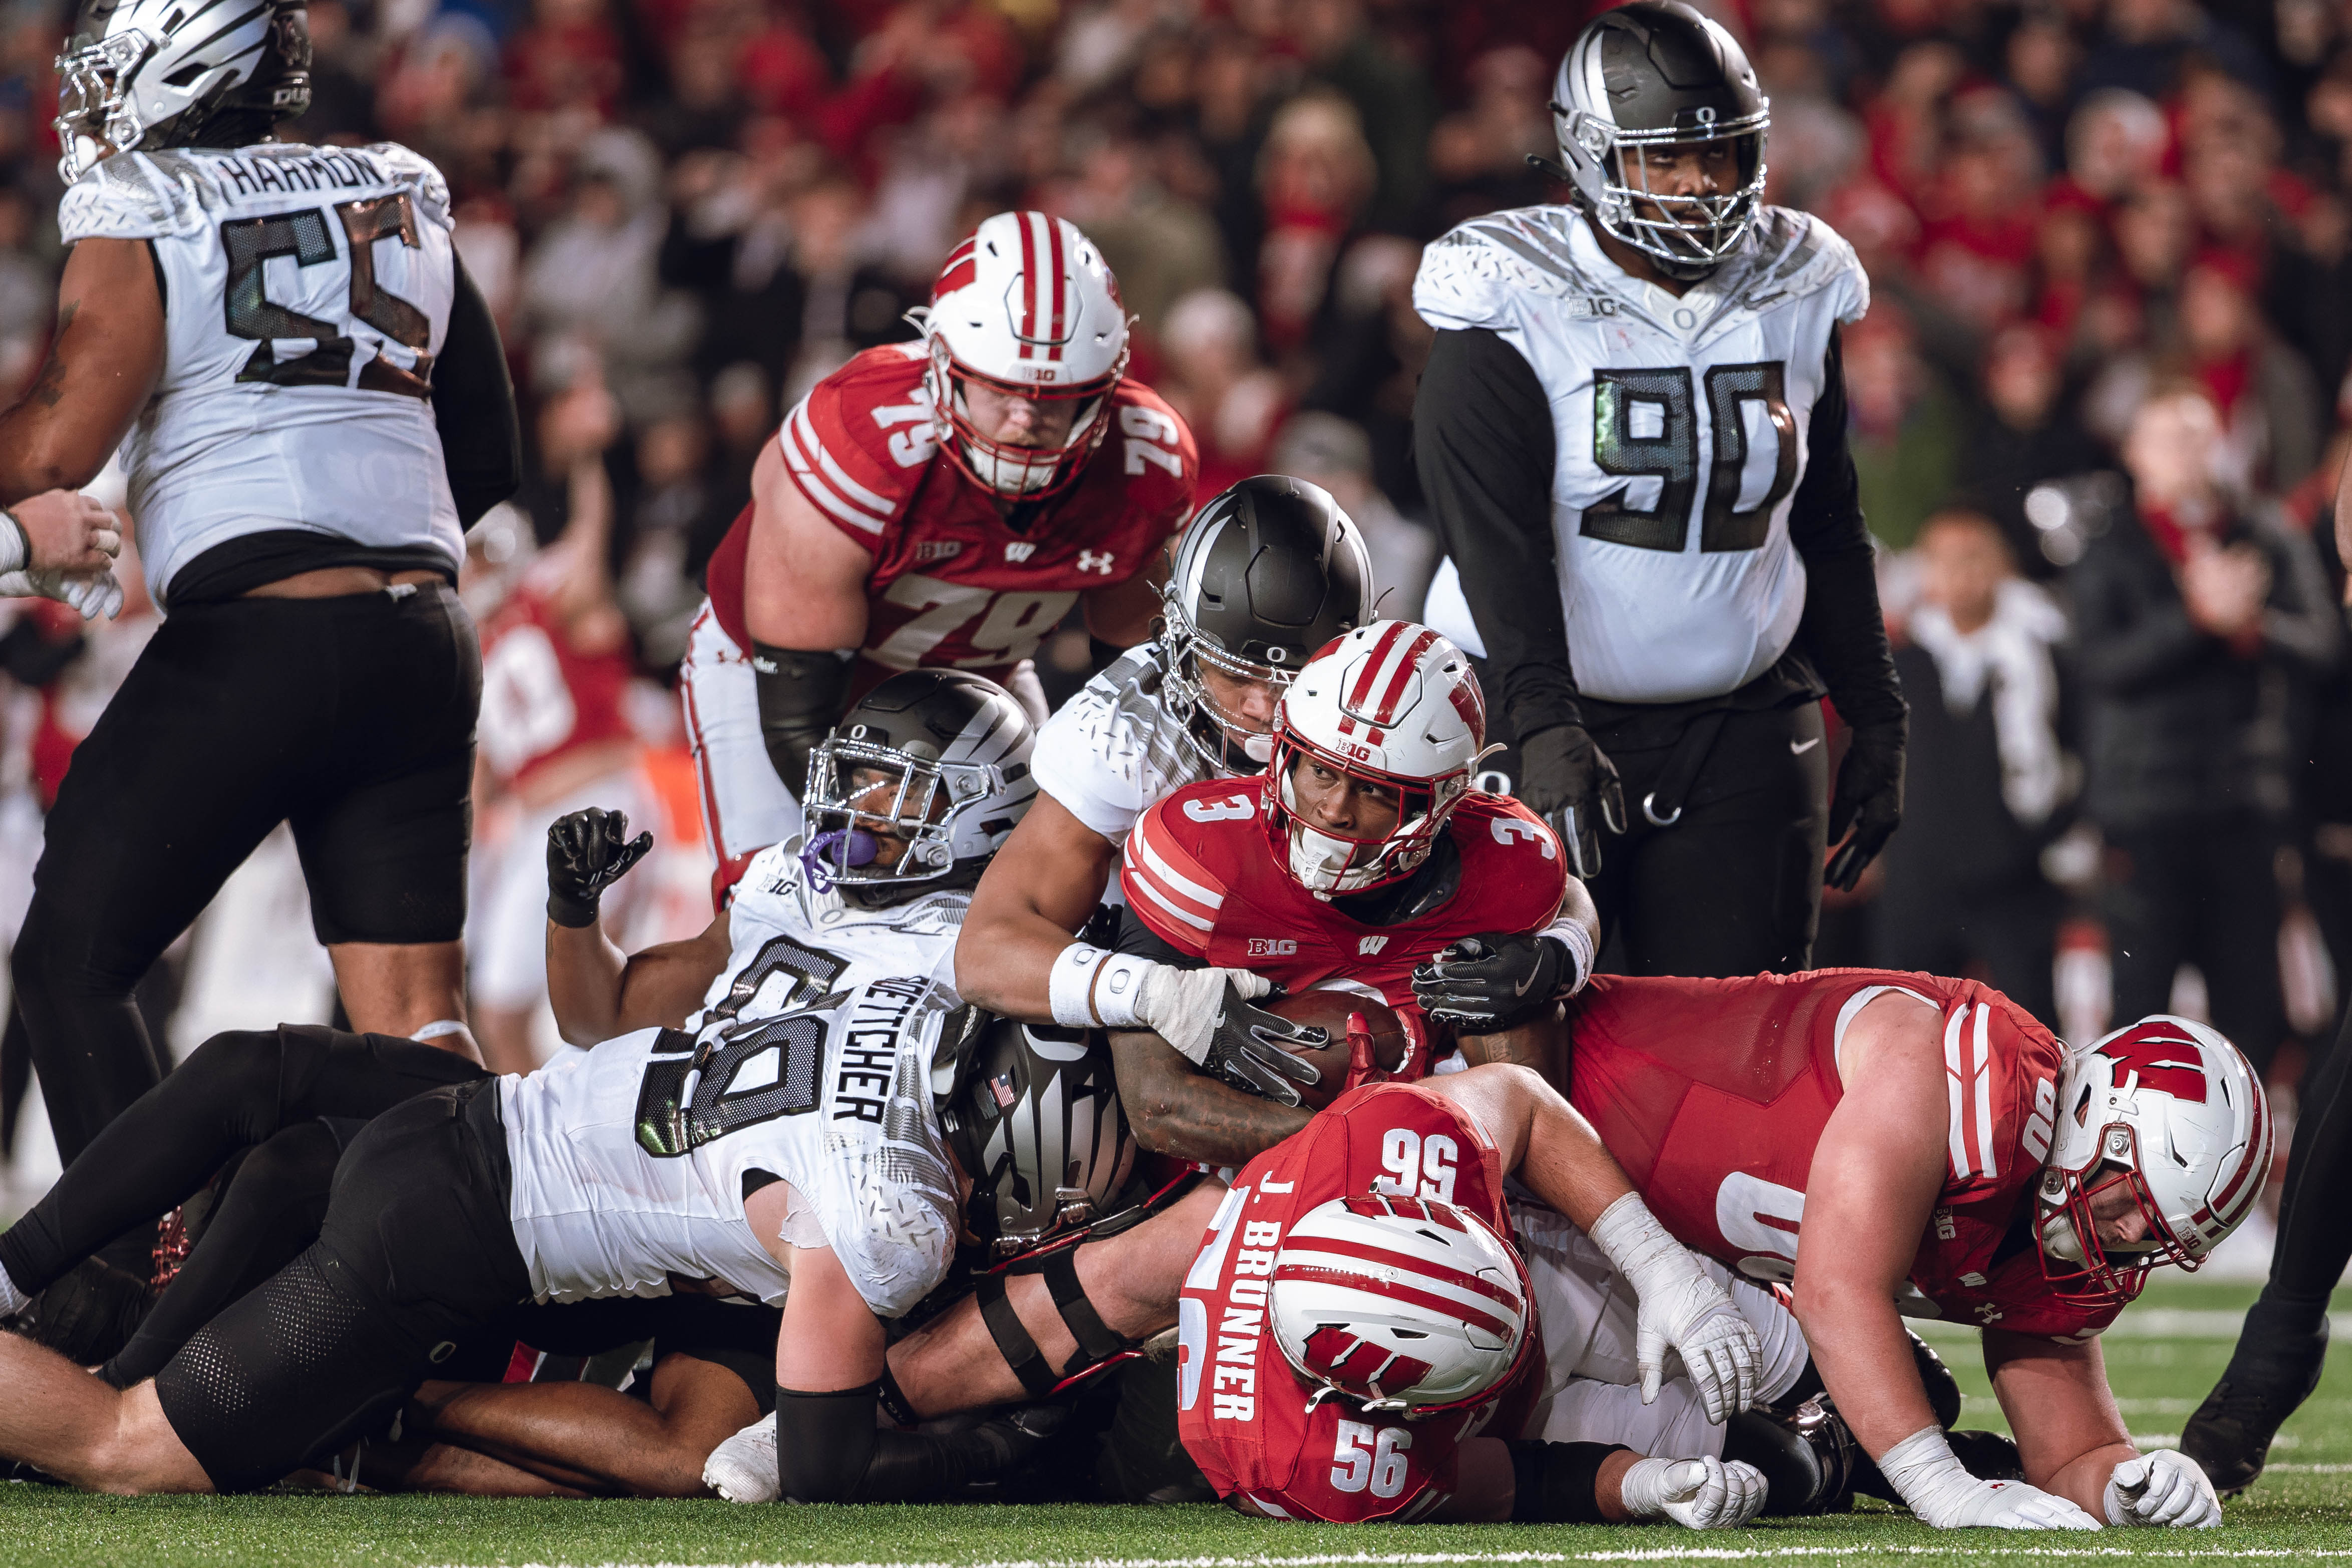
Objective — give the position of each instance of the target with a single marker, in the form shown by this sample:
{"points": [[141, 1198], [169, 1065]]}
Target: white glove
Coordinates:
{"points": [[1181, 1006], [1927, 1475], [1678, 1307], [92, 595], [743, 1468], [1697, 1494], [2166, 1488]]}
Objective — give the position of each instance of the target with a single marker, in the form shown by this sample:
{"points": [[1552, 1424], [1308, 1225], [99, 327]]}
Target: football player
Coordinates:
{"points": [[1633, 432], [1970, 1167], [785, 1137], [1363, 853], [942, 503], [312, 402]]}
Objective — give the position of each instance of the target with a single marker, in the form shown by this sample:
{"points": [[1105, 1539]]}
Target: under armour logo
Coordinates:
{"points": [[1368, 945], [1019, 551], [1094, 561]]}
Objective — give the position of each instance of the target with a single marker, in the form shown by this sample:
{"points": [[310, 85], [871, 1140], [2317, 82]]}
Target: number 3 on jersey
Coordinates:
{"points": [[1644, 426]]}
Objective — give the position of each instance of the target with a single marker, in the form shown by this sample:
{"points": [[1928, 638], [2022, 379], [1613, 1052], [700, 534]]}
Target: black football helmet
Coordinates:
{"points": [[1266, 573], [1035, 1119], [952, 750], [178, 73], [1653, 74]]}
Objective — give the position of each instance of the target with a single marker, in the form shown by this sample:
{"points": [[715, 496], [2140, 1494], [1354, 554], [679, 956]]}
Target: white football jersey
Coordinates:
{"points": [[1114, 751], [1680, 430], [306, 293], [810, 1060]]}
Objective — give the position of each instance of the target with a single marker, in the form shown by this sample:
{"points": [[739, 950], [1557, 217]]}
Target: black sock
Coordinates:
{"points": [[2315, 1239]]}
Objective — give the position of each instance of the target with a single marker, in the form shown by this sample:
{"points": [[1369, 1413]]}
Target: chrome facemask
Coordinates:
{"points": [[93, 120]]}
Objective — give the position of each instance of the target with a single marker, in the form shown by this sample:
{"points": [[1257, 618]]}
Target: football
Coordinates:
{"points": [[1330, 1011]]}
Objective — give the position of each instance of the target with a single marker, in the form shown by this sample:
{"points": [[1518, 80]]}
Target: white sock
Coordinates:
{"points": [[12, 1300]]}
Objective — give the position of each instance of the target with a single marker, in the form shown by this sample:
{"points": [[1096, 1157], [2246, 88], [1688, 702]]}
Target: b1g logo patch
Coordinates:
{"points": [[1272, 948]]}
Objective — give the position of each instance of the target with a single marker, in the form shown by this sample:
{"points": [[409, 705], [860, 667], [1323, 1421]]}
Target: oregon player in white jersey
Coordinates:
{"points": [[1633, 432], [312, 402]]}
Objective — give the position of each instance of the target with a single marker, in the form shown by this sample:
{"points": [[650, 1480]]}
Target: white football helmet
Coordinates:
{"points": [[1392, 704], [2170, 1110], [1026, 306], [155, 73], [1399, 1303]]}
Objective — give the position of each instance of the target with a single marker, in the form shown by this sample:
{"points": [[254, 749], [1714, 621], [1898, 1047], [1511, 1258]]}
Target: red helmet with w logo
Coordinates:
{"points": [[2163, 1130], [1401, 1303]]}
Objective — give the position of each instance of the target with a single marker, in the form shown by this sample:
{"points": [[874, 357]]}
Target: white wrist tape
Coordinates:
{"points": [[15, 544], [1577, 939], [1922, 1468], [1091, 988], [1634, 1240]]}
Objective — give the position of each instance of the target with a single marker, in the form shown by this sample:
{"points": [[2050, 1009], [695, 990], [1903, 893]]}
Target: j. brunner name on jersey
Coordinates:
{"points": [[869, 1057], [323, 168], [1233, 1385]]}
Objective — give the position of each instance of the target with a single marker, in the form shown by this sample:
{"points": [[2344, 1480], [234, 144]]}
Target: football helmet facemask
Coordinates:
{"points": [[2169, 1114], [1649, 76], [936, 760], [1269, 572], [143, 74]]}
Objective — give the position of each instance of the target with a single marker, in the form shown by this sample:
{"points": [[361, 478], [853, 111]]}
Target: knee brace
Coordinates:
{"points": [[1097, 1346]]}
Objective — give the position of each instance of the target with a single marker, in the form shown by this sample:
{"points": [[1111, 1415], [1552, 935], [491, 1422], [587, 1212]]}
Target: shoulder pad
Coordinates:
{"points": [[132, 195], [418, 172], [1791, 254], [1144, 415], [1470, 274], [859, 441]]}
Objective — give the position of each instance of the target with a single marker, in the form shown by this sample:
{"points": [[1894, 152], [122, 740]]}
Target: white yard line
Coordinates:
{"points": [[1693, 1553]]}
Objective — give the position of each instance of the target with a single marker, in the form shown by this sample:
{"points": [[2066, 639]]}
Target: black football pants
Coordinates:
{"points": [[352, 717], [1734, 885]]}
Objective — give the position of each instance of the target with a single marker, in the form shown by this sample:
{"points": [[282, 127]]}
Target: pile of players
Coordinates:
{"points": [[1315, 1171]]}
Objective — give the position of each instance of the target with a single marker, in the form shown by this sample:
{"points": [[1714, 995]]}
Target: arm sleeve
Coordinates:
{"points": [[1844, 631], [1483, 440], [474, 407], [828, 1449]]}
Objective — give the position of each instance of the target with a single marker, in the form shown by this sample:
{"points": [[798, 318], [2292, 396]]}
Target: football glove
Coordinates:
{"points": [[587, 853], [1206, 1015], [1869, 800], [1697, 1494], [1678, 1307], [1929, 1478], [1570, 783], [1483, 985], [2166, 1488], [92, 594]]}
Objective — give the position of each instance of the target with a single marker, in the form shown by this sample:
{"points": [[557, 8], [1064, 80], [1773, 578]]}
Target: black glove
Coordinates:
{"points": [[1497, 981], [1245, 1049], [587, 853], [1869, 800], [1570, 783]]}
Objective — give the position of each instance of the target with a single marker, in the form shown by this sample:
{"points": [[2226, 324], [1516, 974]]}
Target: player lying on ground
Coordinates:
{"points": [[776, 1144], [936, 504], [1970, 1167]]}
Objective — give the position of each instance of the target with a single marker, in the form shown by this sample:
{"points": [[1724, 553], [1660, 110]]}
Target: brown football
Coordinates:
{"points": [[1329, 1011]]}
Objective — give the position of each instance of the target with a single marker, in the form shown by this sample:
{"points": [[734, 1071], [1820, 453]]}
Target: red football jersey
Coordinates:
{"points": [[952, 586], [542, 698], [1713, 1093], [1201, 872], [1242, 1412]]}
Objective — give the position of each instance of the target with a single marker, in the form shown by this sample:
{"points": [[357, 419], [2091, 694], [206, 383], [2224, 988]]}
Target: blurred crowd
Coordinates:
{"points": [[2101, 234]]}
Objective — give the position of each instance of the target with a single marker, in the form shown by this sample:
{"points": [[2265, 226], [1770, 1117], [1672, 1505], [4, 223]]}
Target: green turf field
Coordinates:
{"points": [[2163, 1358]]}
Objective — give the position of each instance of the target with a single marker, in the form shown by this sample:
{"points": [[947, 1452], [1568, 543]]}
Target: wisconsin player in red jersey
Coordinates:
{"points": [[1360, 855], [1357, 1339], [1970, 1167], [940, 503]]}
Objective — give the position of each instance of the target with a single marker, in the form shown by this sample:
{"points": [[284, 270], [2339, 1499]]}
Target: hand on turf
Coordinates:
{"points": [[1206, 1015], [2166, 1489], [1697, 1494], [1485, 984], [587, 853], [1931, 1481], [743, 1468]]}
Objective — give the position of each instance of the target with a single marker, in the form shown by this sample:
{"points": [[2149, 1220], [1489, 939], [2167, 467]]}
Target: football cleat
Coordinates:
{"points": [[2272, 1371]]}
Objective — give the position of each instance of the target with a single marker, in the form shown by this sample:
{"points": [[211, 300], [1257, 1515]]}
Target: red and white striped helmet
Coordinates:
{"points": [[1392, 704], [1401, 1303], [2170, 1111], [1026, 306]]}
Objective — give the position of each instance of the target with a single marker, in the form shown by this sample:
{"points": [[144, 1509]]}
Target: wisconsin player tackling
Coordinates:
{"points": [[938, 503]]}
